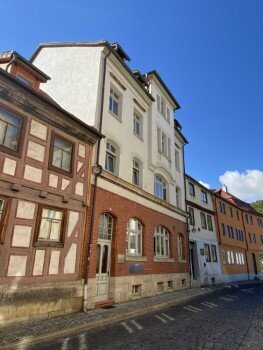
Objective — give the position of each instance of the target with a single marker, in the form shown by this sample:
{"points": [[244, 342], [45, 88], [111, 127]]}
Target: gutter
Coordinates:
{"points": [[97, 171]]}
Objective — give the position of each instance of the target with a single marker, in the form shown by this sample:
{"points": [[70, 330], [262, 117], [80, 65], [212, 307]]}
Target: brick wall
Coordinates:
{"points": [[122, 209]]}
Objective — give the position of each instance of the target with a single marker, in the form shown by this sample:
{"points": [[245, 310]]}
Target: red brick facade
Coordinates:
{"points": [[122, 209]]}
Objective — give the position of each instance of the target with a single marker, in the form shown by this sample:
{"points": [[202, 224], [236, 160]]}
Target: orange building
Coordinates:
{"points": [[240, 237]]}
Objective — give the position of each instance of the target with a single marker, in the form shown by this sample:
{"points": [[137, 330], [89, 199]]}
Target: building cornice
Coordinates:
{"points": [[129, 187], [192, 204]]}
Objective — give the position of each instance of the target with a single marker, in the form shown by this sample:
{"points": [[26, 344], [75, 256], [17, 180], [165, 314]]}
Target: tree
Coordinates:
{"points": [[258, 205]]}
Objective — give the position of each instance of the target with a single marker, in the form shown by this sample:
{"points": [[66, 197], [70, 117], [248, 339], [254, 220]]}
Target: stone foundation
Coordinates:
{"points": [[31, 302], [121, 288]]}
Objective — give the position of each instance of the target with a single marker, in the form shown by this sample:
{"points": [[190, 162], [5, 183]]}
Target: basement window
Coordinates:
{"points": [[183, 282], [170, 284], [136, 289], [160, 286]]}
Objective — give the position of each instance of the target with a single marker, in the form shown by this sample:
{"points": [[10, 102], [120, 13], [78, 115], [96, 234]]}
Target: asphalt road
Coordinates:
{"points": [[227, 319]]}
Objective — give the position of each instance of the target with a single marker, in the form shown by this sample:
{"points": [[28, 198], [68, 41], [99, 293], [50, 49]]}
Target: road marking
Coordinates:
{"points": [[232, 296], [208, 305], [208, 302], [129, 329], [136, 324], [225, 299], [82, 342], [194, 308], [64, 345], [160, 318], [188, 308], [168, 317]]}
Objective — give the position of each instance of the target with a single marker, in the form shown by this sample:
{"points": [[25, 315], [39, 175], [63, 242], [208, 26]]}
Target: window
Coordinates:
{"points": [[134, 238], [246, 216], [111, 158], [61, 151], [251, 220], [254, 238], [204, 196], [178, 197], [180, 247], [115, 102], [105, 226], [10, 130], [237, 215], [231, 211], [168, 114], [191, 189], [136, 289], [136, 173], [160, 187], [161, 242], [3, 212], [209, 223], [250, 237], [261, 238], [237, 259], [50, 229], [230, 232], [230, 258], [137, 123], [24, 80], [223, 229], [222, 207], [164, 144], [191, 216], [203, 220], [213, 253], [177, 159], [207, 252]]}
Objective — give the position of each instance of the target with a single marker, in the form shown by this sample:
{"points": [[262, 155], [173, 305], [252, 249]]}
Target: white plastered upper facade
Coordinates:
{"points": [[76, 84]]}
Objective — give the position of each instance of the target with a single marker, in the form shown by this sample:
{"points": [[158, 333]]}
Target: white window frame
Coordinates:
{"points": [[137, 232], [161, 240], [115, 97], [178, 195], [203, 220], [160, 181], [164, 144], [106, 222], [204, 196], [180, 247], [177, 160], [138, 124], [111, 152], [137, 167]]}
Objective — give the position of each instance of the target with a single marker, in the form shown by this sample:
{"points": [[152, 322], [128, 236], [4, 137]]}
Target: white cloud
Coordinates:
{"points": [[205, 184], [247, 186]]}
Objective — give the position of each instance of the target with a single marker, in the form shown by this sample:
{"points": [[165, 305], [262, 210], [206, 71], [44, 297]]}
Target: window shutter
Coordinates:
{"points": [[159, 139], [169, 148]]}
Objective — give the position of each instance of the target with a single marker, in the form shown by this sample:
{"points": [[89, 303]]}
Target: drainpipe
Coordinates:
{"points": [[246, 250], [98, 169], [12, 60], [187, 222]]}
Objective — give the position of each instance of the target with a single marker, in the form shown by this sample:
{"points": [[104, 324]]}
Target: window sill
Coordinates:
{"points": [[115, 116], [160, 259], [135, 258], [183, 261], [138, 136], [47, 244]]}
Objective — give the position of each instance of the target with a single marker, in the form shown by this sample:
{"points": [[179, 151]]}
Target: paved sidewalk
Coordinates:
{"points": [[23, 336]]}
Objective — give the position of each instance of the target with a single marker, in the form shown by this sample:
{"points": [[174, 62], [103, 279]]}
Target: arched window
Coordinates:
{"points": [[105, 226], [134, 238], [180, 247], [160, 187], [111, 160], [161, 242], [137, 172]]}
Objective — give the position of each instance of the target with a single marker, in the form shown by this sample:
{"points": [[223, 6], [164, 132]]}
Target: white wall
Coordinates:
{"points": [[75, 78]]}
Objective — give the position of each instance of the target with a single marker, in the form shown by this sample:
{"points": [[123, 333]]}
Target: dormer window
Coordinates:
{"points": [[24, 80]]}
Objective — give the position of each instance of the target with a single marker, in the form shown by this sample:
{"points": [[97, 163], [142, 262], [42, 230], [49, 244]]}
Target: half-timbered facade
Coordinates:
{"points": [[45, 167]]}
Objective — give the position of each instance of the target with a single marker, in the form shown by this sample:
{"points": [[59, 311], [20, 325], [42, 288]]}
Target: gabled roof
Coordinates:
{"points": [[236, 201], [114, 48], [8, 56], [156, 74]]}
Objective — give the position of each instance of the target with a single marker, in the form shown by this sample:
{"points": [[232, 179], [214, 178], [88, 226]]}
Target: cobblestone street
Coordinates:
{"points": [[227, 319]]}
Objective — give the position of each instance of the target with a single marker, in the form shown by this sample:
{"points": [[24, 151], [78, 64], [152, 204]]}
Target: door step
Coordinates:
{"points": [[107, 304]]}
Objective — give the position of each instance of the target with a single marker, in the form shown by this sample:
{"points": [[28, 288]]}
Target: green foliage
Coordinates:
{"points": [[258, 205]]}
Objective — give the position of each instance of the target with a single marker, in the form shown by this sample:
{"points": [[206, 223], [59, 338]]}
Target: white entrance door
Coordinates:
{"points": [[103, 270]]}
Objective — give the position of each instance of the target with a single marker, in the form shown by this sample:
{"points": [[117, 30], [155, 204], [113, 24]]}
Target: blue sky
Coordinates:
{"points": [[209, 52]]}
